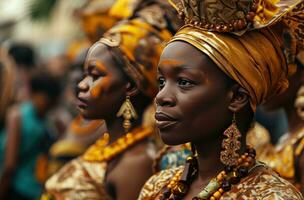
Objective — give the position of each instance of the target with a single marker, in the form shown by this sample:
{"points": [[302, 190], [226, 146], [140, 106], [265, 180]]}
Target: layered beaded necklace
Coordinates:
{"points": [[180, 183], [103, 151]]}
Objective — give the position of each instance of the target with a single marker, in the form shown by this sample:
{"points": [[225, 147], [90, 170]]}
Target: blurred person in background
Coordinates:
{"points": [[80, 133], [95, 19], [23, 140], [287, 157], [24, 57], [7, 83]]}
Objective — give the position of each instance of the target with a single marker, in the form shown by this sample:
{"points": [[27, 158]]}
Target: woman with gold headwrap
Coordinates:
{"points": [[224, 62], [119, 84]]}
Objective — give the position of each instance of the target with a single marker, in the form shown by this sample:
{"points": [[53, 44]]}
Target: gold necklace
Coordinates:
{"points": [[102, 151], [179, 185]]}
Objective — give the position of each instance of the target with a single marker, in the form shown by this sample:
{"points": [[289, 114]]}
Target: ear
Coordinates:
{"points": [[240, 98], [132, 89]]}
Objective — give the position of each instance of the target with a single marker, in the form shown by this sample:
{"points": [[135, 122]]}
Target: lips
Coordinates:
{"points": [[82, 103], [164, 120]]}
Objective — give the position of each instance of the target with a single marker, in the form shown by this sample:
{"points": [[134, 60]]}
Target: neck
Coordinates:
{"points": [[209, 157], [294, 121], [116, 129]]}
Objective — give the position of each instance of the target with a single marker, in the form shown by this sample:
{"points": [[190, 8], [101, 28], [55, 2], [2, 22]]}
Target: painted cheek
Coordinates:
{"points": [[100, 87]]}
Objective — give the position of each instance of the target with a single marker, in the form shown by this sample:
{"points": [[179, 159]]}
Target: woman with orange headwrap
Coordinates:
{"points": [[95, 20], [227, 59], [119, 84]]}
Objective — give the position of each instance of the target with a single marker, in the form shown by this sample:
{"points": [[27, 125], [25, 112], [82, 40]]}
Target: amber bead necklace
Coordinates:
{"points": [[180, 183], [102, 151]]}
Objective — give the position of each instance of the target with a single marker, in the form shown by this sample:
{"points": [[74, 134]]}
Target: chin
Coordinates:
{"points": [[87, 115], [171, 139]]}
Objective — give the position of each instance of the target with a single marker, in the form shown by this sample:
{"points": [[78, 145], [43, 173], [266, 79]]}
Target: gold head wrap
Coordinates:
{"points": [[95, 18], [259, 60], [137, 45], [124, 9]]}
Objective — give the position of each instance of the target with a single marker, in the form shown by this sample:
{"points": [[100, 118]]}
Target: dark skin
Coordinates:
{"points": [[286, 101], [101, 94], [200, 101]]}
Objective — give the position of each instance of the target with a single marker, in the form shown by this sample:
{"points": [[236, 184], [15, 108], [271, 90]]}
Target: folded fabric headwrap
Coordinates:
{"points": [[253, 60], [259, 60], [137, 46]]}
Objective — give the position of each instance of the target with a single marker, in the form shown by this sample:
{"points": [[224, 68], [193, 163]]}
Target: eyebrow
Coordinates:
{"points": [[96, 63], [173, 63], [177, 66]]}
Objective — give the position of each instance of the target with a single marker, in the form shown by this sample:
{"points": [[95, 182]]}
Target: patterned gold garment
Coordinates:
{"points": [[77, 180], [284, 157], [261, 183], [84, 177]]}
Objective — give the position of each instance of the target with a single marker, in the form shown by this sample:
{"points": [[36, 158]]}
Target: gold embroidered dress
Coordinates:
{"points": [[261, 184]]}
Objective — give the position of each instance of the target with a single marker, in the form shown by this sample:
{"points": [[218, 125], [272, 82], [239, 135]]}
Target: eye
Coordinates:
{"points": [[185, 83], [161, 82], [96, 74]]}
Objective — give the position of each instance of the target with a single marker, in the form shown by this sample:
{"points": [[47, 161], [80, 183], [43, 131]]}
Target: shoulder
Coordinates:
{"points": [[157, 182], [77, 177], [138, 162], [263, 183]]}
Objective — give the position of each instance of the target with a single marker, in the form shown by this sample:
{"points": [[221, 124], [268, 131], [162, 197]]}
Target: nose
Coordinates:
{"points": [[83, 85], [165, 97]]}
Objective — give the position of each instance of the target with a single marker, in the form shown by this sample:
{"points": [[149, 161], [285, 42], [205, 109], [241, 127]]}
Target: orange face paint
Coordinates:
{"points": [[169, 62], [102, 85], [99, 65]]}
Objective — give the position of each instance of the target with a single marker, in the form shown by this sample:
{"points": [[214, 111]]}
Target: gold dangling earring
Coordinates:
{"points": [[231, 145], [299, 102], [128, 112]]}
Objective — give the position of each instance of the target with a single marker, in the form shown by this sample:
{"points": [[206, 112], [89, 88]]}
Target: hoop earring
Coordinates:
{"points": [[299, 102], [128, 112], [231, 145]]}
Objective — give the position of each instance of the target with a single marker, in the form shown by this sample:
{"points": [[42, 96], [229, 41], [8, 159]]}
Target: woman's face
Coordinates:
{"points": [[193, 98], [103, 88]]}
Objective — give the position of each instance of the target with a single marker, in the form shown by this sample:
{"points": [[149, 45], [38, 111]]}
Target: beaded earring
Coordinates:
{"points": [[231, 144], [128, 112]]}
